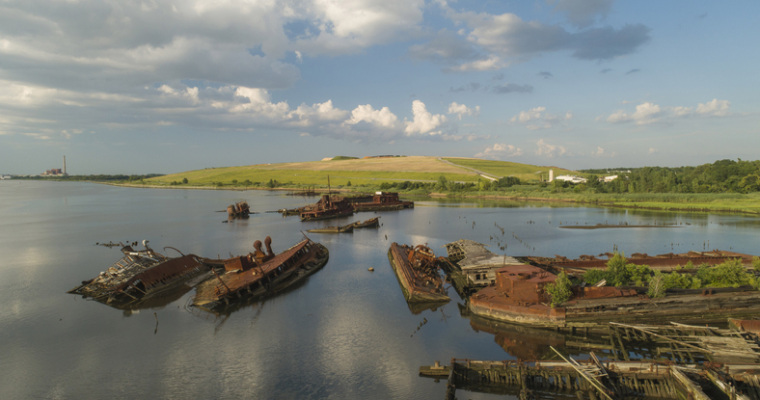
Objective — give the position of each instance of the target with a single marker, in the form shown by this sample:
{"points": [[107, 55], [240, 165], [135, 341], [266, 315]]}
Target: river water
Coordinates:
{"points": [[346, 333]]}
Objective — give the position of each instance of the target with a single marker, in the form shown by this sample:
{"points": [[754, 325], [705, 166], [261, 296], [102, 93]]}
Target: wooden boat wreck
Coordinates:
{"points": [[382, 201], [259, 274], [348, 228], [328, 207], [417, 272], [141, 275]]}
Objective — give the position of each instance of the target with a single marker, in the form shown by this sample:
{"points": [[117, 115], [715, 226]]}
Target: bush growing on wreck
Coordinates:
{"points": [[559, 290], [619, 272]]}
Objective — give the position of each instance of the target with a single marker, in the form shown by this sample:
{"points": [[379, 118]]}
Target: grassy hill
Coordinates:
{"points": [[359, 172]]}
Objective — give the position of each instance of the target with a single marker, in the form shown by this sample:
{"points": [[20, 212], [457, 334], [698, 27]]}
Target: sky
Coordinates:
{"points": [[151, 86]]}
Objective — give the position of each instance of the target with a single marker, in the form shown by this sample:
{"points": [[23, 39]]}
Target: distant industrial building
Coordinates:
{"points": [[56, 171]]}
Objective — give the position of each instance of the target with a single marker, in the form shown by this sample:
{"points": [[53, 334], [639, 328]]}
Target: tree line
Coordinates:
{"points": [[719, 177]]}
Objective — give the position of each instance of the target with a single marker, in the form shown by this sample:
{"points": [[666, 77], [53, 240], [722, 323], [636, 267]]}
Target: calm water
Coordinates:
{"points": [[346, 333]]}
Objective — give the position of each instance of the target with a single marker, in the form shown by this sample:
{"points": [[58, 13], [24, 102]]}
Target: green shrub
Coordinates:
{"points": [[559, 290]]}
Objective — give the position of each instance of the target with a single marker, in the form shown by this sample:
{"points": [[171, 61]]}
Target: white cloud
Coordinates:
{"points": [[547, 150], [537, 118], [461, 110], [500, 151], [648, 112], [424, 122], [715, 107], [365, 113]]}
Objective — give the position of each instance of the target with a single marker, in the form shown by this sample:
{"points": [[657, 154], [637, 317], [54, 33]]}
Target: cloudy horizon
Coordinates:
{"points": [[167, 86]]}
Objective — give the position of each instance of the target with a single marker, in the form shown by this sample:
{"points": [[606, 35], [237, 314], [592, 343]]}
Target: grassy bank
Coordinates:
{"points": [[452, 177]]}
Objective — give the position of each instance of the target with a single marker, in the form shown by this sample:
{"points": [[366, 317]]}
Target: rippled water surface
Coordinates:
{"points": [[345, 333]]}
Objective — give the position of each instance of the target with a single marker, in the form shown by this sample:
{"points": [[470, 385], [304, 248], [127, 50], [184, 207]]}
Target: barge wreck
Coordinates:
{"points": [[259, 274], [142, 275], [417, 271]]}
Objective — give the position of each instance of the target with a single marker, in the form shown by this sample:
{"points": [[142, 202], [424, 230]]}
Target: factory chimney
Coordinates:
{"points": [[64, 165]]}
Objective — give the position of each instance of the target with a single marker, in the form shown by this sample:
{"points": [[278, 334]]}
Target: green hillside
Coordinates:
{"points": [[343, 171]]}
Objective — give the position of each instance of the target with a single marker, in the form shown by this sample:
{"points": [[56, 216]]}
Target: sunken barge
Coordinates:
{"points": [[515, 290], [381, 201], [259, 274], [417, 271], [327, 207], [142, 275]]}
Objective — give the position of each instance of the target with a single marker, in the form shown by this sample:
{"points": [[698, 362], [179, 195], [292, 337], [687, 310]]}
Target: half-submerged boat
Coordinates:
{"points": [[383, 201], [141, 275], [259, 274], [348, 228], [328, 207], [417, 273]]}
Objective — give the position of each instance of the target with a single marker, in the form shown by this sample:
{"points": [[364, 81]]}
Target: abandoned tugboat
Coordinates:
{"points": [[417, 272], [328, 207], [141, 275], [260, 274]]}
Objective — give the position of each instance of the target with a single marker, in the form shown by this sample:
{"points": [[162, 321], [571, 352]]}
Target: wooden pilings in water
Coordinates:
{"points": [[627, 378]]}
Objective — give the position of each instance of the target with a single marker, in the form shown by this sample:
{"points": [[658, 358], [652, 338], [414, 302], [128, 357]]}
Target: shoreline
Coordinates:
{"points": [[670, 207]]}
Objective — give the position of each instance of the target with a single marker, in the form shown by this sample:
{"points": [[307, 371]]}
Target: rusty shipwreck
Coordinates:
{"points": [[260, 274], [515, 289], [417, 271], [327, 207], [142, 275]]}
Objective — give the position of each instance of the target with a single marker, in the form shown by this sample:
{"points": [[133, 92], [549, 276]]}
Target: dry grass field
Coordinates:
{"points": [[356, 172]]}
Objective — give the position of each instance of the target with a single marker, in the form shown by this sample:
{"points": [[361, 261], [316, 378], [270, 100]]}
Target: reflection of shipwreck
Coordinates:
{"points": [[142, 277], [260, 274], [417, 272]]}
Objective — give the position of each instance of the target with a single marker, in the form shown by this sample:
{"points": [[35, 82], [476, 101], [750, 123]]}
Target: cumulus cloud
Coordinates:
{"points": [[366, 114], [544, 149], [423, 121], [714, 107], [461, 110], [495, 41], [537, 118], [647, 113], [500, 151]]}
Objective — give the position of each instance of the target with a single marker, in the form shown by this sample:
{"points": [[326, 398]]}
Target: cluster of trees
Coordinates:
{"points": [[443, 184], [719, 177], [620, 272]]}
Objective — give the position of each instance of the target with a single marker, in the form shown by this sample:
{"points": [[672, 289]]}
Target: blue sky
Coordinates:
{"points": [[167, 86]]}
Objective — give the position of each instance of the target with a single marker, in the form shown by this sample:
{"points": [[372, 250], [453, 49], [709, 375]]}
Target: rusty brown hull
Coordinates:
{"points": [[416, 288]]}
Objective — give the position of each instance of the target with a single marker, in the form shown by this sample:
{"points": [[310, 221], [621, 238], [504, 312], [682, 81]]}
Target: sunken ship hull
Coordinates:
{"points": [[260, 275], [417, 273], [140, 276]]}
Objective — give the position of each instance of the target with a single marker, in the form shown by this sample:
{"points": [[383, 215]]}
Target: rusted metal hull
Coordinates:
{"points": [[418, 286], [382, 201], [596, 313], [263, 280]]}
